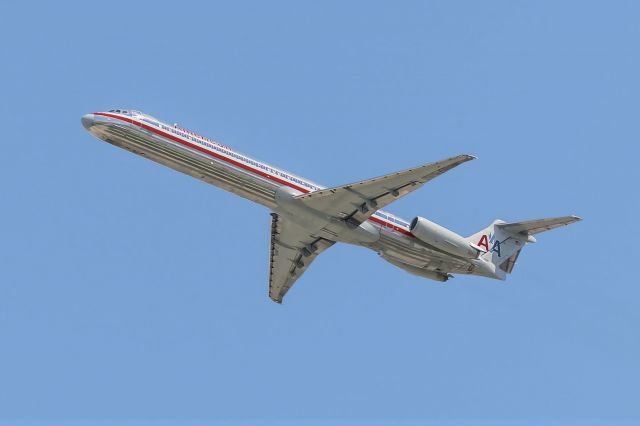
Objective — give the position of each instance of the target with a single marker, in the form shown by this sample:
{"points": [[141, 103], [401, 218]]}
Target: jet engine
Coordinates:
{"points": [[444, 239]]}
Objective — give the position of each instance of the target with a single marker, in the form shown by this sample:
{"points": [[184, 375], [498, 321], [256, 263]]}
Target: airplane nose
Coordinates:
{"points": [[87, 121]]}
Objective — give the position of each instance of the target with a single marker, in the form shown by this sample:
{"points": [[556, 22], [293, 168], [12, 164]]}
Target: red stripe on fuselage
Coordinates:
{"points": [[205, 151], [237, 164]]}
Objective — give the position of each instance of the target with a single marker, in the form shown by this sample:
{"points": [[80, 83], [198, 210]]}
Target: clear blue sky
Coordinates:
{"points": [[129, 292]]}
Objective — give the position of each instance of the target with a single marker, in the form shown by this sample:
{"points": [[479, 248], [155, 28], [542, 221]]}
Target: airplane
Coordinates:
{"points": [[308, 218]]}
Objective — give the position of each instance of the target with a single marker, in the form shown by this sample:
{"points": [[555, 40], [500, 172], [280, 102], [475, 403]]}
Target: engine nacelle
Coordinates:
{"points": [[442, 238]]}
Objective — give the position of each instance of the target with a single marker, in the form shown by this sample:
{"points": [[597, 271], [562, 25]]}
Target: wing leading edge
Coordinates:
{"points": [[291, 252]]}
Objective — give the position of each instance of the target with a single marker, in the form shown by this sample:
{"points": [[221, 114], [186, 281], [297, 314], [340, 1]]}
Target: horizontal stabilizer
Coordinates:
{"points": [[531, 227]]}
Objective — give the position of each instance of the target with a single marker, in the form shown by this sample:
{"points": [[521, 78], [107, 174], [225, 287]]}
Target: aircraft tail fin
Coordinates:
{"points": [[502, 242]]}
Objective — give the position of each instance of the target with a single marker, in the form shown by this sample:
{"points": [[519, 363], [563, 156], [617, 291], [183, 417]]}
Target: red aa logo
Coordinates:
{"points": [[485, 240]]}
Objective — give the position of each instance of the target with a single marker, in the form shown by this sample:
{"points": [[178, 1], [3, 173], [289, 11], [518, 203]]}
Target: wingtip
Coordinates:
{"points": [[276, 300], [459, 159]]}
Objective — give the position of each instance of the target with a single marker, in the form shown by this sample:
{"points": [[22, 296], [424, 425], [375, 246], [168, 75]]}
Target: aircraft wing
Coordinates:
{"points": [[531, 227], [357, 201], [291, 252]]}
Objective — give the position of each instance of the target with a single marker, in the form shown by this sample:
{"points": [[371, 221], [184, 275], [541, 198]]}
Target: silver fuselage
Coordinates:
{"points": [[219, 165]]}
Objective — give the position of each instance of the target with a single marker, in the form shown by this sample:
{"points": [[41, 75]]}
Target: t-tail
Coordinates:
{"points": [[501, 243]]}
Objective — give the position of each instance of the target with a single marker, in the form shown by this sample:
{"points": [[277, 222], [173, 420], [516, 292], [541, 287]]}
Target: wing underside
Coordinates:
{"points": [[293, 248], [356, 202], [291, 252]]}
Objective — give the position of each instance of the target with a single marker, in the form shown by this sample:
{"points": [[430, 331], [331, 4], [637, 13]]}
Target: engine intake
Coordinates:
{"points": [[444, 239]]}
